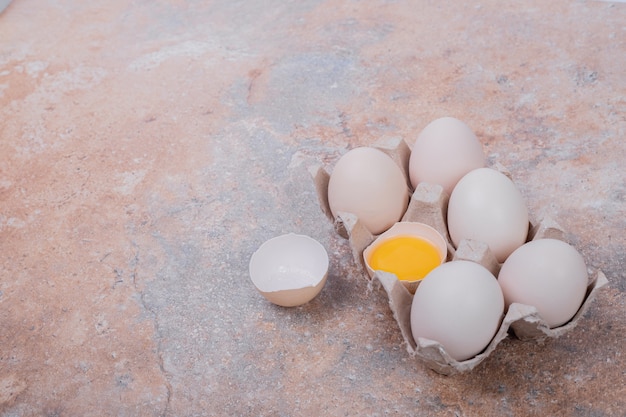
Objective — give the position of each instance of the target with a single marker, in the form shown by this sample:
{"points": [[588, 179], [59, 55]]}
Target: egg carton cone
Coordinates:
{"points": [[428, 205]]}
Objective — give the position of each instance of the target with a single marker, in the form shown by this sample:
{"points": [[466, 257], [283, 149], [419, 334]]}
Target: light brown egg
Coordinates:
{"points": [[367, 183]]}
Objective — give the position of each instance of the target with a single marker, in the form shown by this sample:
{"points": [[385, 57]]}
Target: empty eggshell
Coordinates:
{"points": [[547, 274], [487, 206], [369, 184], [289, 270], [445, 150]]}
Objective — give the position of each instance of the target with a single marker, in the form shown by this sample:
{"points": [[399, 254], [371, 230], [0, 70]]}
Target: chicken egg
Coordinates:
{"points": [[445, 150], [486, 206], [369, 184], [548, 274], [460, 305]]}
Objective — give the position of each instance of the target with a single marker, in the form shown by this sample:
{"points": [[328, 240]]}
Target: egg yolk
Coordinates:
{"points": [[409, 258]]}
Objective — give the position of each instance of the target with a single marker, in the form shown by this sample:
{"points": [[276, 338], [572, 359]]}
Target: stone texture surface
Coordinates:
{"points": [[147, 148]]}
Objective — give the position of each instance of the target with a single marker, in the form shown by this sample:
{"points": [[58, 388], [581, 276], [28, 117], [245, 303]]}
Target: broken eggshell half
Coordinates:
{"points": [[289, 270]]}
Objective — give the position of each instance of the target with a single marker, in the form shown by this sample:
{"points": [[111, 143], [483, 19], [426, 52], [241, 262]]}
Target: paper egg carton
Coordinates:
{"points": [[428, 205]]}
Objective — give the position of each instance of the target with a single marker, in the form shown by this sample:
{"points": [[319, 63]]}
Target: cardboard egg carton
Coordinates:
{"points": [[428, 204]]}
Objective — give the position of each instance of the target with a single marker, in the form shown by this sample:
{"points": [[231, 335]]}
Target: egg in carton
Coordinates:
{"points": [[428, 205]]}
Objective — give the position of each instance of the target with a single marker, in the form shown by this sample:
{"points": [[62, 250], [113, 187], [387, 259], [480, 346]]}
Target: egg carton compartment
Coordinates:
{"points": [[428, 205], [521, 320]]}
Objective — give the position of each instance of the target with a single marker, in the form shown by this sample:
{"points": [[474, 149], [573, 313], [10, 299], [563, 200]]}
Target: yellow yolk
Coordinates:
{"points": [[409, 258]]}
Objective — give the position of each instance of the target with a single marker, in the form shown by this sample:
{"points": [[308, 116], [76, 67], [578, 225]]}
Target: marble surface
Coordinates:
{"points": [[148, 148]]}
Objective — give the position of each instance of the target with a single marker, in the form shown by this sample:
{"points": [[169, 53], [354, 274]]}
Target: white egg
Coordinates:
{"points": [[460, 305], [548, 274], [369, 184], [486, 206], [445, 150]]}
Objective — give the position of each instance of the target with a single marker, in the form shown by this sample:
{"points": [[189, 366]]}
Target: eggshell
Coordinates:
{"points": [[486, 206], [289, 270], [547, 274], [459, 304], [445, 150], [369, 184]]}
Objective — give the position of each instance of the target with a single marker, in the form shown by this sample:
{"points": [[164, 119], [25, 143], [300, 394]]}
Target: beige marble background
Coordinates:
{"points": [[148, 147]]}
